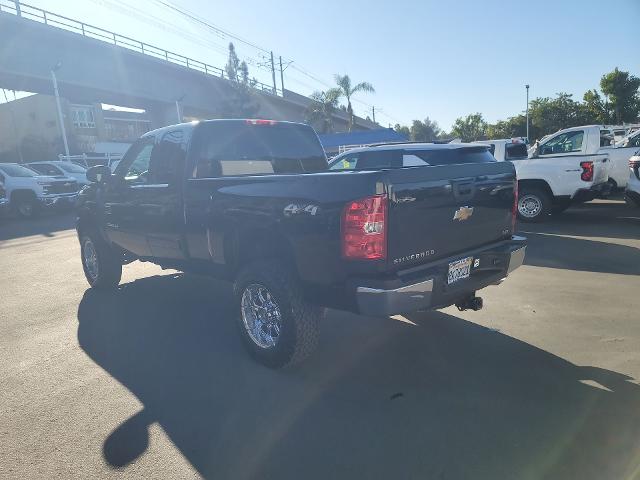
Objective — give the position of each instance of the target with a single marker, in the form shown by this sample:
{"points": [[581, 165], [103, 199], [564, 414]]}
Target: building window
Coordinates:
{"points": [[82, 116], [119, 129]]}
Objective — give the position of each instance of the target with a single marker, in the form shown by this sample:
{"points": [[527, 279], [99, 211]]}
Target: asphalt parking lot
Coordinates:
{"points": [[152, 381]]}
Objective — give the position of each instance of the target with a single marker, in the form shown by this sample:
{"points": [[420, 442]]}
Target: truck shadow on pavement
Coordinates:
{"points": [[593, 237], [436, 397], [569, 253], [47, 225]]}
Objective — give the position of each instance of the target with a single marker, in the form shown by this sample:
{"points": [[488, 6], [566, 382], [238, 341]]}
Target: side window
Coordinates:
{"points": [[606, 138], [564, 143], [135, 164], [492, 149], [377, 159], [411, 160], [168, 158], [348, 162], [634, 142]]}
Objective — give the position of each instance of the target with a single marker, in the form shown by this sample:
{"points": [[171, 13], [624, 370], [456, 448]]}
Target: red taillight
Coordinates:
{"points": [[364, 228], [587, 171], [261, 122], [514, 208]]}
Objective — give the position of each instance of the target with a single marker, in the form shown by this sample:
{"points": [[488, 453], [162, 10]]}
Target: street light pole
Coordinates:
{"points": [[527, 87], [178, 111], [60, 117]]}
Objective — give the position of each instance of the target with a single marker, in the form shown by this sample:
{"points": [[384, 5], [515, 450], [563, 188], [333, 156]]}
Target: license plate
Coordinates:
{"points": [[459, 270]]}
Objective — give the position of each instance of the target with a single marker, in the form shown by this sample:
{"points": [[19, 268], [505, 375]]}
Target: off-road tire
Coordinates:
{"points": [[299, 331], [109, 262]]}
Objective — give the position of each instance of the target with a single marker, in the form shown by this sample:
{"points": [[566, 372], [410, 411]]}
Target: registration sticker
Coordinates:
{"points": [[459, 270]]}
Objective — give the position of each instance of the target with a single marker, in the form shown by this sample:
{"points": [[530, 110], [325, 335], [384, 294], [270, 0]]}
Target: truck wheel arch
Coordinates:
{"points": [[535, 183], [20, 194], [261, 244]]}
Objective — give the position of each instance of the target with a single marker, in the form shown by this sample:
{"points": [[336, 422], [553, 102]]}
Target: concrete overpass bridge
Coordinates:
{"points": [[99, 66]]}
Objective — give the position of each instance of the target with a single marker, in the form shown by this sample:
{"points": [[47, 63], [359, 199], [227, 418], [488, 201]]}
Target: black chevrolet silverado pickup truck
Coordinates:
{"points": [[253, 202]]}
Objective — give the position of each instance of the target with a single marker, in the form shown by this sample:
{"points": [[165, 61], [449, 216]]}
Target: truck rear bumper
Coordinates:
{"points": [[430, 290]]}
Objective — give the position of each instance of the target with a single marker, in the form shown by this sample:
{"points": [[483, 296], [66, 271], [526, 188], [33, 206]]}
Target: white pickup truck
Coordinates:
{"points": [[28, 192], [586, 141], [550, 183]]}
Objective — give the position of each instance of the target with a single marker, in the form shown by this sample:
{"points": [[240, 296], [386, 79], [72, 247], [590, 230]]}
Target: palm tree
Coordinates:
{"points": [[322, 109], [346, 90]]}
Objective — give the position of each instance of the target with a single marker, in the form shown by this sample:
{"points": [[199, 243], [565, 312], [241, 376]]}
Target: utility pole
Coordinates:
{"points": [[281, 76], [273, 75], [373, 112], [527, 87], [60, 117]]}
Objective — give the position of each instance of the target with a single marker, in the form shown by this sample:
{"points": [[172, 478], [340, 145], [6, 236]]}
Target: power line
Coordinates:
{"points": [[263, 62], [207, 24]]}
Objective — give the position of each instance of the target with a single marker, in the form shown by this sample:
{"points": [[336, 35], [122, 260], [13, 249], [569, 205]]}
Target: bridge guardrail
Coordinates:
{"points": [[40, 15]]}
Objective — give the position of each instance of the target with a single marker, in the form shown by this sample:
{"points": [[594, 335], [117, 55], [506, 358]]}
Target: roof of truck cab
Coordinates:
{"points": [[195, 123]]}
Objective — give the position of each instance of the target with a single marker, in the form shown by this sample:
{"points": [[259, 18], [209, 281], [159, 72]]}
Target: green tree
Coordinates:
{"points": [[240, 101], [233, 64], [347, 90], [512, 127], [426, 131], [621, 89], [470, 128], [596, 108], [403, 130], [322, 109]]}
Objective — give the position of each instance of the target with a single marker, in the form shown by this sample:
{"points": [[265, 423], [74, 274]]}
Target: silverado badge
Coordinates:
{"points": [[463, 213]]}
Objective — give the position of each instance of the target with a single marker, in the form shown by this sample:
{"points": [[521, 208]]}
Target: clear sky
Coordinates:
{"points": [[435, 58]]}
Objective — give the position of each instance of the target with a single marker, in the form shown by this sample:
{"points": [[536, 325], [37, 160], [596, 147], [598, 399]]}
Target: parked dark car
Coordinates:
{"points": [[253, 202]]}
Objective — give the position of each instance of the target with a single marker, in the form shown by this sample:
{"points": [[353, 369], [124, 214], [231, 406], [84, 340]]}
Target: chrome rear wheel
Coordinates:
{"points": [[261, 315]]}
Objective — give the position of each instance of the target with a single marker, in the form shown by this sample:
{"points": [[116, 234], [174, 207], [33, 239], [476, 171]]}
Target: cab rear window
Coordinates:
{"points": [[515, 151], [234, 148]]}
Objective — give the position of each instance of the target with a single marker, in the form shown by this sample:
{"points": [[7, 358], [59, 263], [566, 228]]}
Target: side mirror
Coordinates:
{"points": [[535, 151], [99, 174]]}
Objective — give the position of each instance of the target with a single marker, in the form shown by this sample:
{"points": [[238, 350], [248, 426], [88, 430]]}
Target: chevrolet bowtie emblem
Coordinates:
{"points": [[463, 213]]}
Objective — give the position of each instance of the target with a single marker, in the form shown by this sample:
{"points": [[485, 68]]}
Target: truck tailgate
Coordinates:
{"points": [[441, 211]]}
